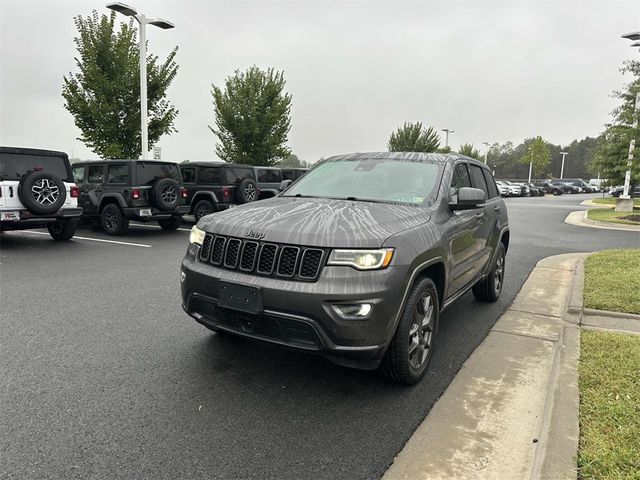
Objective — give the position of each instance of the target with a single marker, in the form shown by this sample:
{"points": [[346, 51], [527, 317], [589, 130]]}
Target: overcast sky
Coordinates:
{"points": [[491, 71]]}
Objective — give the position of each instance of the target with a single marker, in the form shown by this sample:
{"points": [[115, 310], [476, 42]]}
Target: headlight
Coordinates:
{"points": [[362, 259], [196, 235]]}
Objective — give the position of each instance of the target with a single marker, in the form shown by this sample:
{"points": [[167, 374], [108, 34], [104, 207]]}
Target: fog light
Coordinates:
{"points": [[182, 276], [357, 310]]}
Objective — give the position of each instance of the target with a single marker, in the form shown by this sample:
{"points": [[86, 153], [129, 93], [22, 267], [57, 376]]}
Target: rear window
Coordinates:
{"points": [[13, 166], [149, 172], [269, 176], [237, 174]]}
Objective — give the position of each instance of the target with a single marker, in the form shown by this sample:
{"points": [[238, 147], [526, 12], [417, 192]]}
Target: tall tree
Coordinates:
{"points": [[252, 117], [413, 137], [104, 96], [470, 151], [538, 155], [292, 161], [611, 154]]}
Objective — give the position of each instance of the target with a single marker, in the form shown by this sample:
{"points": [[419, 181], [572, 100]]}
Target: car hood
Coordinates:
{"points": [[316, 222]]}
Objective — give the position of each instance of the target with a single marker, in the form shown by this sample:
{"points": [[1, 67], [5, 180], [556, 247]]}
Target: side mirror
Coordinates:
{"points": [[285, 184], [469, 198]]}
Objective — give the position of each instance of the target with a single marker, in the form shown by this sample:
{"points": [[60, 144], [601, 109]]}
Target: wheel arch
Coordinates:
{"points": [[115, 198]]}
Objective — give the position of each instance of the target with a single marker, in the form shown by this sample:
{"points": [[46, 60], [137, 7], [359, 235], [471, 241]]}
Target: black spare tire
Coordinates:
{"points": [[246, 191], [166, 193], [42, 193]]}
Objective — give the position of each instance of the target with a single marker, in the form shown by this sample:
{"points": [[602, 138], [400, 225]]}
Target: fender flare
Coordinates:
{"points": [[118, 197], [204, 195]]}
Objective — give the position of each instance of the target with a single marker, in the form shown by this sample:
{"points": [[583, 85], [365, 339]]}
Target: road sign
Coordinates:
{"points": [[157, 153]]}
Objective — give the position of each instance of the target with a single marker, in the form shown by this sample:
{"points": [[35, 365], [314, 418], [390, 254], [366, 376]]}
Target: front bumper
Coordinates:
{"points": [[156, 214], [299, 314]]}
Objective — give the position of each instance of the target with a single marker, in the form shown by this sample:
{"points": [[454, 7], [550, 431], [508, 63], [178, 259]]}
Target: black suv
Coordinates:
{"points": [[293, 174], [113, 192], [36, 191], [355, 260], [216, 186]]}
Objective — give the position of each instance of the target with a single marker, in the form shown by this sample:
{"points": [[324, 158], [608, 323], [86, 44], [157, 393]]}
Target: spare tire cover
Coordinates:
{"points": [[166, 193], [42, 193]]}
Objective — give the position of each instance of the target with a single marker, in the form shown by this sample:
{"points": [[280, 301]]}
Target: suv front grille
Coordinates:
{"points": [[261, 258]]}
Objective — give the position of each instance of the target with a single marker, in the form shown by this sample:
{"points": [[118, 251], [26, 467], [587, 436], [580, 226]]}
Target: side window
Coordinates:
{"points": [[78, 175], [188, 175], [117, 173], [477, 179], [209, 175], [269, 176], [460, 178], [491, 184], [95, 174]]}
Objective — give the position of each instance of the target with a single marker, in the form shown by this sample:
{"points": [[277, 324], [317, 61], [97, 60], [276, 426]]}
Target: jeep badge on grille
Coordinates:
{"points": [[253, 234]]}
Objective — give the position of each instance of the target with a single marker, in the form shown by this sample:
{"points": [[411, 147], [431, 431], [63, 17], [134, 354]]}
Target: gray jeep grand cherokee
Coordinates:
{"points": [[355, 261]]}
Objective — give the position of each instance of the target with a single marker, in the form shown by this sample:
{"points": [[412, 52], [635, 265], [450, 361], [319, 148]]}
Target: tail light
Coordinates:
{"points": [[226, 193], [135, 194], [184, 192], [75, 192]]}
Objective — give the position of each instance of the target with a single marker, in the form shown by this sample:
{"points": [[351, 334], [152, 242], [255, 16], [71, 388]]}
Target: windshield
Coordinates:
{"points": [[376, 180], [148, 172], [13, 166]]}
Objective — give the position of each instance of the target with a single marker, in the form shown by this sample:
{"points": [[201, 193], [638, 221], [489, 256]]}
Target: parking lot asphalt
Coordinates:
{"points": [[103, 376]]}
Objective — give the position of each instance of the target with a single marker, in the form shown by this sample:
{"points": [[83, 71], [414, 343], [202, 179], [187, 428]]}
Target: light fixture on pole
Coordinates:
{"points": [[530, 164], [624, 203], [564, 154], [447, 131], [130, 11], [486, 154]]}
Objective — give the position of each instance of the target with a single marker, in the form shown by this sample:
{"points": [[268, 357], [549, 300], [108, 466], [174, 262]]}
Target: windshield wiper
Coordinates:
{"points": [[356, 199], [300, 195]]}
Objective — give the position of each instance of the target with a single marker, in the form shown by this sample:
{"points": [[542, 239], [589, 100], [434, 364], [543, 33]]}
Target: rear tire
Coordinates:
{"points": [[489, 289], [202, 208], [411, 348], [170, 224], [62, 229], [113, 222]]}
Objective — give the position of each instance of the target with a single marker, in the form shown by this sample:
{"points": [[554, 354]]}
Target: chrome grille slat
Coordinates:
{"points": [[263, 258]]}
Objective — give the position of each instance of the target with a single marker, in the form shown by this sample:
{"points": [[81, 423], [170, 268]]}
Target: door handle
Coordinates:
{"points": [[480, 215], [497, 208]]}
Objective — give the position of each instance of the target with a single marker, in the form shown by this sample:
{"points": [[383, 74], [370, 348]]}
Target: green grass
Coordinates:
{"points": [[612, 281], [609, 406], [611, 216], [612, 201]]}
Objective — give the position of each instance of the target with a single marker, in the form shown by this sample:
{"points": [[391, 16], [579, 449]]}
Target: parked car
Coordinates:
{"points": [[598, 184], [37, 191], [293, 174], [548, 187], [619, 190], [355, 261], [566, 187], [515, 190], [583, 186], [216, 186], [535, 191], [269, 181], [503, 188], [113, 192]]}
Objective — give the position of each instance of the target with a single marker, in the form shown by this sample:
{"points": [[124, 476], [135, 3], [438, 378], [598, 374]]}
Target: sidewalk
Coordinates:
{"points": [[512, 410]]}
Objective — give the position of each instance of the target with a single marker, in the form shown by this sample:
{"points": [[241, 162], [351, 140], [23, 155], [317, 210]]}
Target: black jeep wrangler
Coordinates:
{"points": [[113, 192], [216, 186]]}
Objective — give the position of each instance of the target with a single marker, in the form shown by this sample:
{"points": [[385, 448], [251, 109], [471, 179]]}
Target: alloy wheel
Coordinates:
{"points": [[421, 331], [169, 194], [45, 191], [498, 274], [250, 193]]}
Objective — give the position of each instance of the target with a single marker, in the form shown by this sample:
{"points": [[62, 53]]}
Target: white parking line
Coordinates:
{"points": [[156, 226], [94, 239]]}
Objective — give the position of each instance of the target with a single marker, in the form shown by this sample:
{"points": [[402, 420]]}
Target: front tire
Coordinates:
{"points": [[411, 349], [62, 229], [489, 289], [113, 222], [170, 224]]}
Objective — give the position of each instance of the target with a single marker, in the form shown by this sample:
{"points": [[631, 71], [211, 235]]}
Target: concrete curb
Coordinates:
{"points": [[512, 410], [580, 219], [591, 203]]}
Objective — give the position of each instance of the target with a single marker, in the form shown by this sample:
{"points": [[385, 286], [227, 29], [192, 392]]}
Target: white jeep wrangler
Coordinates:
{"points": [[37, 191]]}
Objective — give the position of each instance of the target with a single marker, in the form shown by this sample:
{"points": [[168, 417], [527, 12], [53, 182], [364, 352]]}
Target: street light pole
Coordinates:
{"points": [[486, 154], [530, 164], [130, 11], [624, 203], [447, 131], [564, 154]]}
